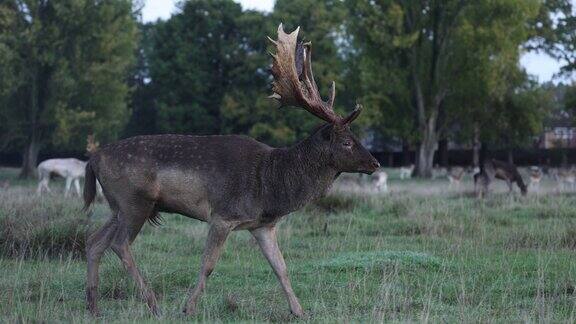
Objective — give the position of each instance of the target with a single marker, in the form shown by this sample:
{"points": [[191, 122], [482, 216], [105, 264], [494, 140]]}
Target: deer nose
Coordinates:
{"points": [[375, 164]]}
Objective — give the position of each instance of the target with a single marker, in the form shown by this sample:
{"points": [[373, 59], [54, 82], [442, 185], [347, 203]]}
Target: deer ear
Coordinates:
{"points": [[353, 115]]}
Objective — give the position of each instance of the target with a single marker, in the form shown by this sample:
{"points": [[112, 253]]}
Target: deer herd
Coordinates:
{"points": [[237, 183]]}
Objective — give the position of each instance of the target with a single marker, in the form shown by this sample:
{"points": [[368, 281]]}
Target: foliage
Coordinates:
{"points": [[40, 227], [556, 30], [67, 70], [208, 67], [426, 65]]}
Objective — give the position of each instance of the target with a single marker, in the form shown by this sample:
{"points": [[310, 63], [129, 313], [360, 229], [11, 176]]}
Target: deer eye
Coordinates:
{"points": [[347, 144]]}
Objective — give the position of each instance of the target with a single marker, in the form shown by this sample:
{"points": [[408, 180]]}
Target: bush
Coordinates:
{"points": [[40, 226]]}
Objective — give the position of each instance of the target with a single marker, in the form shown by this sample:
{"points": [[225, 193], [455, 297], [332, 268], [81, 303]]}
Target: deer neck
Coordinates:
{"points": [[295, 176]]}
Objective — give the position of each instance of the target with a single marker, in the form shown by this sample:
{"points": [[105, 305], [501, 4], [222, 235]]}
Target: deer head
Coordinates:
{"points": [[294, 85], [91, 144]]}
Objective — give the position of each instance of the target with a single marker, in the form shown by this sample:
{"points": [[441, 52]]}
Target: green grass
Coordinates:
{"points": [[438, 256]]}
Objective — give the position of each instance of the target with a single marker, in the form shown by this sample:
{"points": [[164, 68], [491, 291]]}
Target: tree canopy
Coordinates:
{"points": [[426, 71], [64, 72]]}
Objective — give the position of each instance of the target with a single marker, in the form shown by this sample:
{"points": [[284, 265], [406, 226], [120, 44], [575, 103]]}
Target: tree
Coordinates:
{"points": [[413, 50], [556, 33], [198, 57], [209, 67], [69, 61]]}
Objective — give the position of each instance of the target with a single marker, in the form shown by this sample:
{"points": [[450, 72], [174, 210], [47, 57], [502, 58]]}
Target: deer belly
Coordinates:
{"points": [[183, 193]]}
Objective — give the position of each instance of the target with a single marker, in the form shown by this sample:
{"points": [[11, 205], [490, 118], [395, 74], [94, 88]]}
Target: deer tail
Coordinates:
{"points": [[89, 187]]}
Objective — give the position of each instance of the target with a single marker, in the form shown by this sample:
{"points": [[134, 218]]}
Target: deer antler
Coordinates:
{"points": [[294, 83]]}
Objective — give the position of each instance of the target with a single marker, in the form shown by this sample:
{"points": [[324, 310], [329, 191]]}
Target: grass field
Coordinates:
{"points": [[420, 253]]}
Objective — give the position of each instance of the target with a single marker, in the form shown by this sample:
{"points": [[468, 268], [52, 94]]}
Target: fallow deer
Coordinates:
{"points": [[494, 169], [535, 178], [455, 176], [70, 169], [406, 171], [381, 182], [566, 178], [230, 182]]}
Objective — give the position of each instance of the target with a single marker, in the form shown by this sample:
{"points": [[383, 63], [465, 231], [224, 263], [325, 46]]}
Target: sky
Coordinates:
{"points": [[538, 64]]}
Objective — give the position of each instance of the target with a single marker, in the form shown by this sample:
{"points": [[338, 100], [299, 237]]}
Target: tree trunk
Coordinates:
{"points": [[443, 152], [426, 150], [406, 160], [29, 159], [483, 152], [30, 154], [476, 145]]}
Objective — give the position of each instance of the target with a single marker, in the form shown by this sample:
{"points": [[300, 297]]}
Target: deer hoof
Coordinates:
{"points": [[297, 311], [189, 311], [152, 304]]}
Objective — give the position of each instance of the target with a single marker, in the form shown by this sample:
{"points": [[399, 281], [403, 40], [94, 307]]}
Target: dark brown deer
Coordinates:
{"points": [[494, 169], [230, 182]]}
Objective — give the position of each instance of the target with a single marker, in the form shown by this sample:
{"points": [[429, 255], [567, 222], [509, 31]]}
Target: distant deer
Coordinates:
{"points": [[70, 169], [494, 169], [455, 176], [381, 183], [535, 178], [406, 171], [566, 178], [231, 182]]}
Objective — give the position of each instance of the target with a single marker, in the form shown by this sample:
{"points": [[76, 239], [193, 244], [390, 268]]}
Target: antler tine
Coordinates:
{"points": [[294, 83]]}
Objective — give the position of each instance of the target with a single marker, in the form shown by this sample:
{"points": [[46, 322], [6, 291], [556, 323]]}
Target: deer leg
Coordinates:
{"points": [[131, 218], [43, 185], [266, 238], [121, 247], [77, 186], [510, 186], [96, 244], [39, 188], [67, 189], [46, 183], [216, 237]]}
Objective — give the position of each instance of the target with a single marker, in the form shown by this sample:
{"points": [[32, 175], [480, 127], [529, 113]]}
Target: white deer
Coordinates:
{"points": [[455, 176], [566, 179], [406, 171], [381, 181], [70, 169]]}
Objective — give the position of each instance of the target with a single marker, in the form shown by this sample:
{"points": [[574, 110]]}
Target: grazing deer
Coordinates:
{"points": [[494, 169], [406, 171], [566, 179], [535, 178], [455, 176], [381, 183], [230, 182], [70, 169]]}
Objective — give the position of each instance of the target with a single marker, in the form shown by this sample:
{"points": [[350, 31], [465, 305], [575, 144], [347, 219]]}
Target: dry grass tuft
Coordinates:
{"points": [[40, 226]]}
